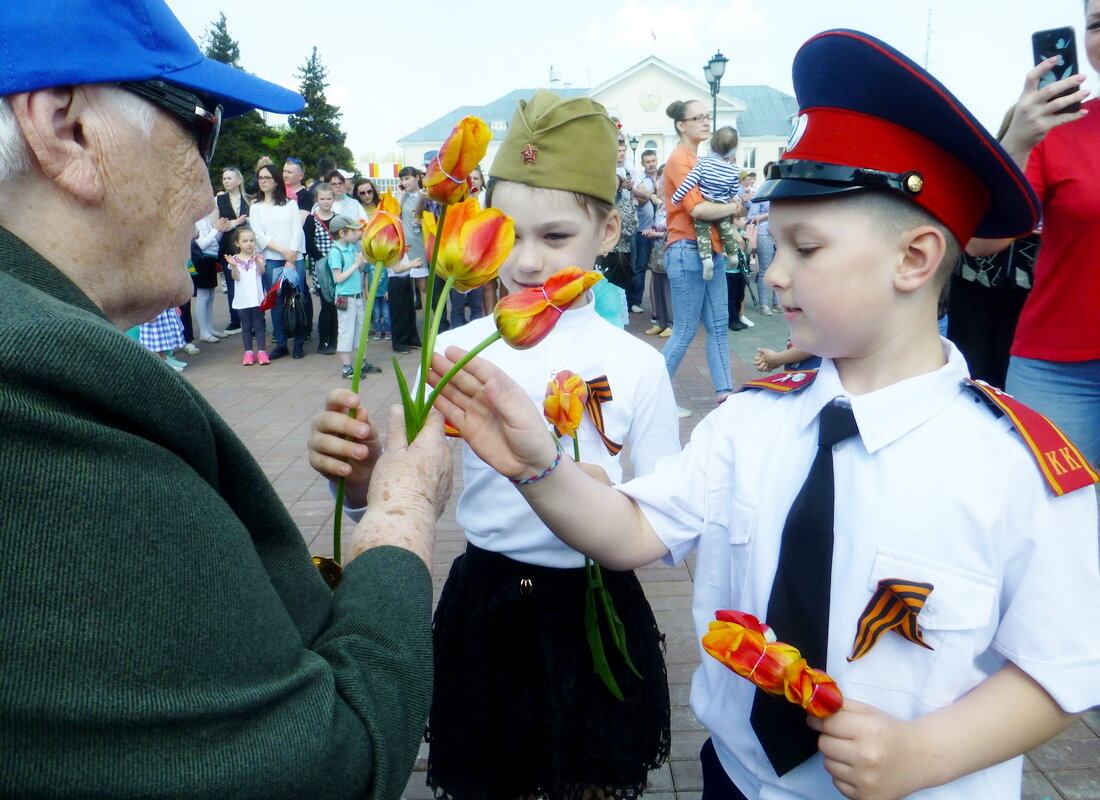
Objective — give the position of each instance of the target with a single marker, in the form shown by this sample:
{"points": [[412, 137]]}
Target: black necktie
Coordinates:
{"points": [[798, 608]]}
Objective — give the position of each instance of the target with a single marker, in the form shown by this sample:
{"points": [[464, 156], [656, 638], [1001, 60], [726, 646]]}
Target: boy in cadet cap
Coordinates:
{"points": [[941, 560]]}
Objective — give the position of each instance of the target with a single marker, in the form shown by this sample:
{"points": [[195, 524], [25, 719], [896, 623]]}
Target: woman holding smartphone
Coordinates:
{"points": [[1055, 362]]}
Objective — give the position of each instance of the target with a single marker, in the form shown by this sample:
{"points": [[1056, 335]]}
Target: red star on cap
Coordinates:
{"points": [[530, 153]]}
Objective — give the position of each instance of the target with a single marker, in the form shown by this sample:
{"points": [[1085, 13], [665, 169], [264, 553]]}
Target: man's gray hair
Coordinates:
{"points": [[15, 157]]}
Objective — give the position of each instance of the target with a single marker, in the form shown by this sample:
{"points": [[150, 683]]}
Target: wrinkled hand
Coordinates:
{"points": [[409, 490], [340, 446], [497, 418], [411, 479], [870, 754], [1036, 111]]}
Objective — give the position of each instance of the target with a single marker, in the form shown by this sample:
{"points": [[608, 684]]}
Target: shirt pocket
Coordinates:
{"points": [[956, 622], [734, 517]]}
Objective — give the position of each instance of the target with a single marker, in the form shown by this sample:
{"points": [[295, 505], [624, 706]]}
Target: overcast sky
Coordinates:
{"points": [[395, 67]]}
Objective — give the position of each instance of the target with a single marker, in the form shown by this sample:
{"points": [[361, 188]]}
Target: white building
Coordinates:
{"points": [[638, 97]]}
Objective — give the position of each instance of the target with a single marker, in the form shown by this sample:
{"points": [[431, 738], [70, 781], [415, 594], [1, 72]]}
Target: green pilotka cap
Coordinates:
{"points": [[561, 143]]}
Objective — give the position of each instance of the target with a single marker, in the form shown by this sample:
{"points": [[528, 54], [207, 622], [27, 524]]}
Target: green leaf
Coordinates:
{"points": [[406, 402], [595, 644]]}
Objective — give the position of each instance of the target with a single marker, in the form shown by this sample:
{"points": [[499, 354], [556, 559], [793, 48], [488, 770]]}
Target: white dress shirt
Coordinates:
{"points": [[643, 413], [936, 489]]}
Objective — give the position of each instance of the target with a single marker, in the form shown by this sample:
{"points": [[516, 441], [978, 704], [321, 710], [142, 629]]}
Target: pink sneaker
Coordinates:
{"points": [[262, 358], [248, 359]]}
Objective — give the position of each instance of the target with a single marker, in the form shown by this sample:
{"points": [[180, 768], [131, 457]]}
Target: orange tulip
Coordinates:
{"points": [[446, 178], [566, 395], [383, 236], [525, 318], [813, 690], [474, 245], [775, 667], [750, 655]]}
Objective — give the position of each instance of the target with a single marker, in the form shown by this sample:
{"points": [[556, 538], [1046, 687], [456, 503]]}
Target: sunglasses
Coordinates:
{"points": [[293, 160], [365, 191], [205, 124]]}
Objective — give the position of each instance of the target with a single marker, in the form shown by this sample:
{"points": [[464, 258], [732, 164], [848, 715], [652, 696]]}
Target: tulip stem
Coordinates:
{"points": [[440, 309], [356, 374], [428, 340], [576, 448], [492, 337]]}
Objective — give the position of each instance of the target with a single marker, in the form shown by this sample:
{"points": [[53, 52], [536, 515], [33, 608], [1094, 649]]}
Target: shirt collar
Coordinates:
{"points": [[889, 413]]}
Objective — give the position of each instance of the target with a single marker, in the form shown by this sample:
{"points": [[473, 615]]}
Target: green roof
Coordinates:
{"points": [[503, 108], [768, 112]]}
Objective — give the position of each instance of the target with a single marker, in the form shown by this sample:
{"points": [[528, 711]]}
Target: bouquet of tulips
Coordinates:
{"points": [[467, 246], [749, 647]]}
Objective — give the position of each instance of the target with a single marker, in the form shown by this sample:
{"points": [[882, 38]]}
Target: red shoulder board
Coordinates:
{"points": [[1062, 464], [790, 381]]}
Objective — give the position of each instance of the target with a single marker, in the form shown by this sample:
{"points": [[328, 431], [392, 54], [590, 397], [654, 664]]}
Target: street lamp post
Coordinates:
{"points": [[713, 71], [634, 149]]}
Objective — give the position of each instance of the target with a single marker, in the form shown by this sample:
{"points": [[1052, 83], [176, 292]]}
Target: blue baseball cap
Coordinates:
{"points": [[71, 42], [871, 118]]}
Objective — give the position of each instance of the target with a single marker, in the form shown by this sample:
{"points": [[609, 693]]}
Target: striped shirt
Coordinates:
{"points": [[717, 179]]}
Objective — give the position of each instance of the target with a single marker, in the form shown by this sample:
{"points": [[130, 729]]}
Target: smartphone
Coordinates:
{"points": [[1059, 42]]}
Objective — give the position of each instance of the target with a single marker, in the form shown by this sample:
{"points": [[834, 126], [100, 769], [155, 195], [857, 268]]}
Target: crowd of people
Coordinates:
{"points": [[289, 218], [167, 634]]}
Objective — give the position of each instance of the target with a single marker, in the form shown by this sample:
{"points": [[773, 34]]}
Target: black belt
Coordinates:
{"points": [[350, 295]]}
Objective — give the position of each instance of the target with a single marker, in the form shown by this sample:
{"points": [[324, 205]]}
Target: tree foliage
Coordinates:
{"points": [[219, 45], [243, 139], [315, 132]]}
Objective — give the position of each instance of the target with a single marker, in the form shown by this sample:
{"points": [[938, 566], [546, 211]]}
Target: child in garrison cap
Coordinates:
{"points": [[952, 556], [720, 182], [518, 710]]}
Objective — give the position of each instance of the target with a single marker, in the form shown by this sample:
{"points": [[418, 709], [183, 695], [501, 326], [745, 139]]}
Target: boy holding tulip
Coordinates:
{"points": [[518, 709], [955, 607]]}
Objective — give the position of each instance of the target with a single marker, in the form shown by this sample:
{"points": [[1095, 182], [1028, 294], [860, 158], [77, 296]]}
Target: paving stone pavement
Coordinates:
{"points": [[270, 408]]}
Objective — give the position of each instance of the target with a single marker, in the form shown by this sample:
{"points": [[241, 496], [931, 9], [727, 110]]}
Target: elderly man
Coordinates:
{"points": [[164, 631]]}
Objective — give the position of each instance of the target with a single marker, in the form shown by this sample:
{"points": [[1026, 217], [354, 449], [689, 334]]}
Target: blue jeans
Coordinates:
{"points": [[460, 301], [694, 299], [765, 252], [1066, 391], [380, 322], [296, 275], [643, 246]]}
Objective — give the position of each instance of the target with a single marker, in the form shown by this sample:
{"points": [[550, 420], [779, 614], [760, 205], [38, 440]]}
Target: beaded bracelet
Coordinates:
{"points": [[541, 475]]}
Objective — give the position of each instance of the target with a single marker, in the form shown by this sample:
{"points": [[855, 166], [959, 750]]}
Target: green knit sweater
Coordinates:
{"points": [[163, 632]]}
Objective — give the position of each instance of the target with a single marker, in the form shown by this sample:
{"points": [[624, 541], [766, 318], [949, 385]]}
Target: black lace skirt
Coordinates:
{"points": [[518, 710]]}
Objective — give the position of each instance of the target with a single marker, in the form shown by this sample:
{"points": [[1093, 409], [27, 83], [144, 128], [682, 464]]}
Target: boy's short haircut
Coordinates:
{"points": [[724, 141], [893, 214], [322, 187]]}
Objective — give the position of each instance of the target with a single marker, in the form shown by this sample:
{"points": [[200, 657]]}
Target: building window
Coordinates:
{"points": [[749, 157], [650, 144]]}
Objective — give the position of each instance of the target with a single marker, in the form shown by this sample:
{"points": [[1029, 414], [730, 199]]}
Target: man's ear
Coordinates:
{"points": [[610, 234], [59, 125], [922, 253]]}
